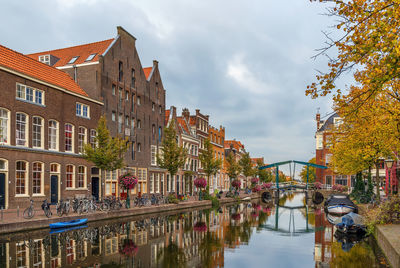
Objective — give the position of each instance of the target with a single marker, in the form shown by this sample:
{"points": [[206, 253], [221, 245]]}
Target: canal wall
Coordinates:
{"points": [[14, 224], [388, 239]]}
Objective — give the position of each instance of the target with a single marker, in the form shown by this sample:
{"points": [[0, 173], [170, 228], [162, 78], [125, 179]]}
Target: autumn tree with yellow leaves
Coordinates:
{"points": [[369, 48]]}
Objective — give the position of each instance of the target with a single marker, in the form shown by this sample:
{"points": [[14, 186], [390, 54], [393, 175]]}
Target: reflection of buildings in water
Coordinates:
{"points": [[101, 245], [323, 240]]}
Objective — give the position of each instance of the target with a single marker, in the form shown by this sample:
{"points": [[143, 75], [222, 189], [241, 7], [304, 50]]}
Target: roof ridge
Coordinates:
{"points": [[58, 49]]}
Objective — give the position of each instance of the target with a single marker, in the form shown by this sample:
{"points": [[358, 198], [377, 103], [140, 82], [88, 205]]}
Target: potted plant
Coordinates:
{"points": [[200, 183]]}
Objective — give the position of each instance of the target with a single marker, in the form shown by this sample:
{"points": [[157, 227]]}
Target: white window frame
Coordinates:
{"points": [[21, 94], [151, 181], [153, 150], [26, 186], [51, 136], [78, 174], [79, 110], [25, 130], [72, 138], [81, 143], [72, 178], [41, 134], [5, 126], [41, 172]]}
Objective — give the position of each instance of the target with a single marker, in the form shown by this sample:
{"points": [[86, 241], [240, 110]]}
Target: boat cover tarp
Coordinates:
{"points": [[339, 200]]}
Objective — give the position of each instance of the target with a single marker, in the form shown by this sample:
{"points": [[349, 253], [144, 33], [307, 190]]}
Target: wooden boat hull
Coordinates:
{"points": [[67, 224]]}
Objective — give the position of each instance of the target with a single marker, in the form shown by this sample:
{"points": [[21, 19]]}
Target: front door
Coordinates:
{"points": [[2, 190], [54, 189], [95, 187]]}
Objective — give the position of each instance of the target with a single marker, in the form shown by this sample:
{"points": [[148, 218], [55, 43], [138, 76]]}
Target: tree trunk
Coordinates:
{"points": [[378, 182]]}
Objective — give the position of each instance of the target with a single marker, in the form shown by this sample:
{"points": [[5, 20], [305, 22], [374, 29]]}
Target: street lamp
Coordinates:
{"points": [[389, 165]]}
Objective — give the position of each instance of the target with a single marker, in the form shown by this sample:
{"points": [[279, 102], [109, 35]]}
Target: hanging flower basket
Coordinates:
{"points": [[128, 248], [236, 184], [254, 180], [200, 182], [128, 181], [256, 188], [254, 214], [318, 185], [200, 226]]}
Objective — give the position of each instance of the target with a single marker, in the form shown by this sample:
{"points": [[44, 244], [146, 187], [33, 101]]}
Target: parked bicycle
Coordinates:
{"points": [[63, 207], [46, 209], [29, 212]]}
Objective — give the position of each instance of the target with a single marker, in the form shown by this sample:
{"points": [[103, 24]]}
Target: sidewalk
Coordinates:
{"points": [[388, 238], [11, 222]]}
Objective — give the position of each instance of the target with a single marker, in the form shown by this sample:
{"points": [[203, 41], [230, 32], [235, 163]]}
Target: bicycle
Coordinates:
{"points": [[46, 209], [29, 212]]}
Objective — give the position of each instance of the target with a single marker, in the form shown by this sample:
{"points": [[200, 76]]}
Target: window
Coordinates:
{"points": [[113, 89], [151, 183], [157, 184], [160, 109], [153, 131], [126, 95], [139, 124], [353, 180], [133, 150], [91, 57], [82, 110], [337, 121], [159, 134], [69, 173], [81, 178], [328, 158], [4, 126], [133, 103], [132, 125], [54, 168], [30, 94], [120, 96], [37, 173], [37, 132], [93, 138], [21, 129], [139, 147], [153, 155], [138, 100], [45, 59], [69, 138], [120, 71], [127, 121], [21, 178], [21, 255], [73, 59], [113, 115], [341, 179], [53, 135], [133, 79], [120, 123], [153, 106], [81, 139]]}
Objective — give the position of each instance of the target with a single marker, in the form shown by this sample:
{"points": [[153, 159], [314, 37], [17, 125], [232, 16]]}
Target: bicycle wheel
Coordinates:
{"points": [[59, 210], [47, 212], [29, 213], [104, 207]]}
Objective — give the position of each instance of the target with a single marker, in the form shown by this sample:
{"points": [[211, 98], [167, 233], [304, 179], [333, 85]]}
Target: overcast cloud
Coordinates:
{"points": [[245, 63]]}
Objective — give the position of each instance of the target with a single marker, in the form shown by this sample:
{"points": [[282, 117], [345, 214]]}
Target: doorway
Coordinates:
{"points": [[2, 190], [54, 189], [95, 187]]}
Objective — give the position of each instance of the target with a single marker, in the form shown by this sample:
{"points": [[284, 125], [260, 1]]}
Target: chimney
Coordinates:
{"points": [[186, 114], [318, 118]]}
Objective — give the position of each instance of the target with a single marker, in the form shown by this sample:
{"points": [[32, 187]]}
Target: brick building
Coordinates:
{"points": [[182, 182], [237, 149], [45, 119], [323, 155], [220, 181], [134, 101]]}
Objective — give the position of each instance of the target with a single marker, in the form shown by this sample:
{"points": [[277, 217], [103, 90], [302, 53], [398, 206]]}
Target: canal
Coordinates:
{"points": [[254, 234]]}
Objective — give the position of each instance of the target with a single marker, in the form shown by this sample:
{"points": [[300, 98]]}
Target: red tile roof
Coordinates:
{"points": [[83, 51], [183, 124], [147, 71], [167, 112], [35, 69], [236, 144]]}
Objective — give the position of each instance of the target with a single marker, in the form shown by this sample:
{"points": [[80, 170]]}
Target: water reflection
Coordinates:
{"points": [[252, 234]]}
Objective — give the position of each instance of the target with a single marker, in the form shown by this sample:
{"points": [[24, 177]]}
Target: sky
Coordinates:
{"points": [[244, 63]]}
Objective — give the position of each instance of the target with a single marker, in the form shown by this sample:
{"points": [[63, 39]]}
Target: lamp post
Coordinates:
{"points": [[389, 164]]}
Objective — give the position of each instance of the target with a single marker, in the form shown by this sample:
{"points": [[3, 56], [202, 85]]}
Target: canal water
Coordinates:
{"points": [[254, 234]]}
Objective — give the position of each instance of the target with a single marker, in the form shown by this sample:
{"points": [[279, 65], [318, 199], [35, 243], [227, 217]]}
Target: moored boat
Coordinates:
{"points": [[68, 224], [340, 204]]}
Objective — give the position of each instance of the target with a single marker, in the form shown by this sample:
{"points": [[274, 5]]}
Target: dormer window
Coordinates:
{"points": [[73, 60], [91, 57], [45, 59]]}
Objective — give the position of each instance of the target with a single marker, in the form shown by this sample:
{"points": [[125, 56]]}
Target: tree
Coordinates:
{"points": [[233, 167], [210, 164], [172, 156], [263, 174], [108, 152], [246, 166], [311, 172]]}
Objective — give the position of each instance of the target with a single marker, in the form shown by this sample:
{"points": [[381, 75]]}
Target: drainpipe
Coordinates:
{"points": [[75, 73]]}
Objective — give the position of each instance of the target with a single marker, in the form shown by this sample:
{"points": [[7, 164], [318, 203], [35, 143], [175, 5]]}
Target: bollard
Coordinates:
{"points": [[17, 211]]}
